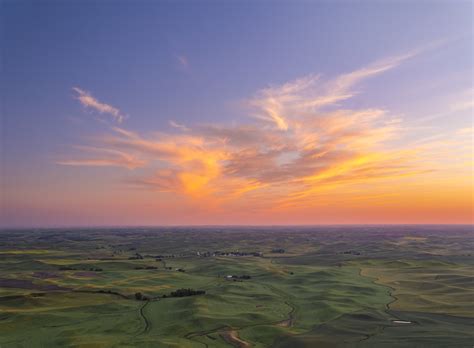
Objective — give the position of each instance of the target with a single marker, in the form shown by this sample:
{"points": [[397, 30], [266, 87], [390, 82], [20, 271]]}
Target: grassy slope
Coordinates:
{"points": [[311, 295]]}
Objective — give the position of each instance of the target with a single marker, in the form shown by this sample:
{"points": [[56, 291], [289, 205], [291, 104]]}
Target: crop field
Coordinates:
{"points": [[334, 286]]}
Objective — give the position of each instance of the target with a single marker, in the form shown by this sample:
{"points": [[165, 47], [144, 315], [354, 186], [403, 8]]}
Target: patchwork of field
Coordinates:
{"points": [[347, 286]]}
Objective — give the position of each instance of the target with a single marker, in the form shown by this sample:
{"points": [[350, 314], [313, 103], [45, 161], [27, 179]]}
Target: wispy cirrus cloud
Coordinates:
{"points": [[103, 157], [177, 125], [300, 143], [460, 103], [90, 102], [279, 104]]}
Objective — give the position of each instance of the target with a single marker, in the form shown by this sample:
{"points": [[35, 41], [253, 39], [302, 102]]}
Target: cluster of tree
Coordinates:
{"points": [[140, 297], [67, 268], [228, 253], [351, 252], [278, 251], [237, 253], [235, 277], [92, 269], [137, 256], [147, 267], [169, 256], [185, 292], [149, 256], [245, 276]]}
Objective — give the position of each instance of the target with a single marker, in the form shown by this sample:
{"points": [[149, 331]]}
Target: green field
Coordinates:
{"points": [[406, 286]]}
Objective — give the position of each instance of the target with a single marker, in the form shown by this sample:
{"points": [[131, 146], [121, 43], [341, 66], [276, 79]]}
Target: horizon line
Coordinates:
{"points": [[231, 226]]}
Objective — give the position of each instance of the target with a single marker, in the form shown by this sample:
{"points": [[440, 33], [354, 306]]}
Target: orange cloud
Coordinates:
{"points": [[301, 150]]}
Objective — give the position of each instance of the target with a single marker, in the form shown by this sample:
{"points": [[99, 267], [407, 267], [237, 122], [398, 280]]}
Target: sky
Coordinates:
{"points": [[238, 112]]}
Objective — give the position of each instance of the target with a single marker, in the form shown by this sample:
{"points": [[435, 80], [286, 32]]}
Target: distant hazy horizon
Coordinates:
{"points": [[233, 227]]}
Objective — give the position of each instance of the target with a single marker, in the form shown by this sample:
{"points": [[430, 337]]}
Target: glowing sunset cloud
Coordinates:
{"points": [[304, 148]]}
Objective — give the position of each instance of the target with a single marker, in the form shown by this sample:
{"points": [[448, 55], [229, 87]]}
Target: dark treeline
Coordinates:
{"points": [[178, 293], [237, 277], [91, 269], [146, 267], [186, 292]]}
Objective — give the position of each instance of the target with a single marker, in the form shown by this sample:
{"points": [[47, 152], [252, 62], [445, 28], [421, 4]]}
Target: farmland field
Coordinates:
{"points": [[347, 286]]}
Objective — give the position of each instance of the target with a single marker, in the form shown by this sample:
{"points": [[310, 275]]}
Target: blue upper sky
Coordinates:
{"points": [[195, 61]]}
